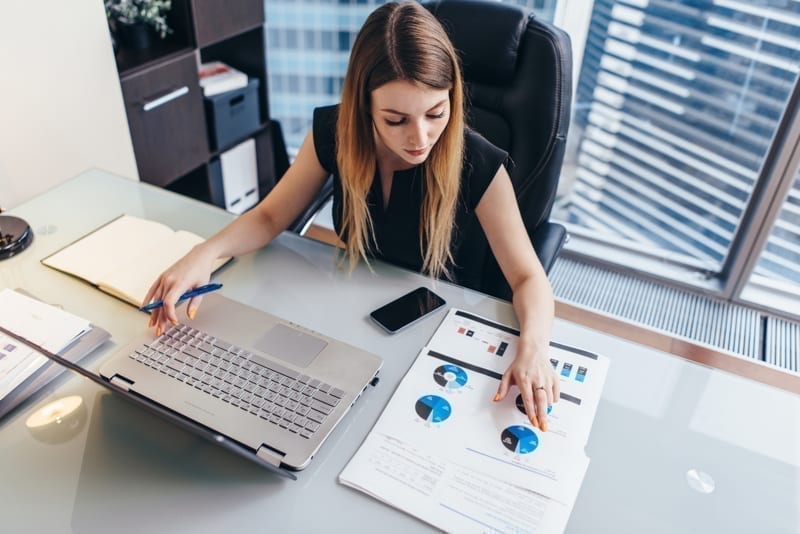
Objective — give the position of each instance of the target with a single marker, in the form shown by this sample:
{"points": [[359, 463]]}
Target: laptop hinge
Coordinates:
{"points": [[270, 455], [124, 383]]}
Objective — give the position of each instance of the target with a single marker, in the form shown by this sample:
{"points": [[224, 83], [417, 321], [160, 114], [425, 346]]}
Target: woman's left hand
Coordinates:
{"points": [[537, 382]]}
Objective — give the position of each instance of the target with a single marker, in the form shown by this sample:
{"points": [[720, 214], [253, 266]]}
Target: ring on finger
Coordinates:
{"points": [[538, 387]]}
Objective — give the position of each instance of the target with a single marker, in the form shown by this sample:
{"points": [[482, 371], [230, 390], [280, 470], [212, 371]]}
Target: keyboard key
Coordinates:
{"points": [[330, 400], [193, 352], [312, 426], [316, 416], [222, 345], [320, 407]]}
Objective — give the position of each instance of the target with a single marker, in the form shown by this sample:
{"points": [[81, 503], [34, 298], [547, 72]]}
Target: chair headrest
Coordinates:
{"points": [[488, 33]]}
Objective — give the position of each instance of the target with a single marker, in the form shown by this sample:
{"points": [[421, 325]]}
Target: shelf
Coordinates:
{"points": [[130, 61], [168, 118], [215, 21]]}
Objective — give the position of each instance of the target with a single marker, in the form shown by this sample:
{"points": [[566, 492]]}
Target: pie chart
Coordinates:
{"points": [[521, 406], [450, 376], [433, 408], [519, 439]]}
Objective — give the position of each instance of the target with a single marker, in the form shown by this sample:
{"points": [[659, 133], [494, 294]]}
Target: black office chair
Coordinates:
{"points": [[518, 75]]}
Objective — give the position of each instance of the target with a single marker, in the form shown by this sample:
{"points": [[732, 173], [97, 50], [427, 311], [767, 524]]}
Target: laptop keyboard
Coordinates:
{"points": [[282, 396]]}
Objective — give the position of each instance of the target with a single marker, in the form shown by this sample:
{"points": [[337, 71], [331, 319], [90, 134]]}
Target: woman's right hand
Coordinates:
{"points": [[193, 270]]}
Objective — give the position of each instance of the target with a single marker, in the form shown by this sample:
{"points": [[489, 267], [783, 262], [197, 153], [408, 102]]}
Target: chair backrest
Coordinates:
{"points": [[518, 75]]}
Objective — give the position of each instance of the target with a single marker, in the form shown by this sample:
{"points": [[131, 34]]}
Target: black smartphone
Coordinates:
{"points": [[407, 310]]}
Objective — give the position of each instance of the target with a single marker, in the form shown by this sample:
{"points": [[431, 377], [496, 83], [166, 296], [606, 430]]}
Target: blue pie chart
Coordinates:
{"points": [[433, 408], [521, 406], [519, 439], [450, 376]]}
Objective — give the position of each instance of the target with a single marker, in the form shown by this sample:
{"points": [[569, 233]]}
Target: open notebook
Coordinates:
{"points": [[124, 257]]}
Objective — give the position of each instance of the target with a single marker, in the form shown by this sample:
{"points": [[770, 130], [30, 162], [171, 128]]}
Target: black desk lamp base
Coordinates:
{"points": [[15, 236]]}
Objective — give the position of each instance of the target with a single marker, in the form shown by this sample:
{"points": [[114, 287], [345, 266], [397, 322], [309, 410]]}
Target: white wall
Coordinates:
{"points": [[61, 109]]}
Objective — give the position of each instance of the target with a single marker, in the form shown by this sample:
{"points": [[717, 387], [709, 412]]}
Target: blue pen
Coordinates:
{"points": [[189, 294]]}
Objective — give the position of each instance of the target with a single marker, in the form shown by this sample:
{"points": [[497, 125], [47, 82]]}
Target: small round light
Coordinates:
{"points": [[700, 481], [58, 420]]}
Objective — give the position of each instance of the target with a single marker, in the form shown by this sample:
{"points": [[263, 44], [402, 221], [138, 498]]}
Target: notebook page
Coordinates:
{"points": [[116, 244], [131, 281]]}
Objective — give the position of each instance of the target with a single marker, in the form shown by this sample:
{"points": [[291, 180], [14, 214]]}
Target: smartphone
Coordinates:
{"points": [[407, 310]]}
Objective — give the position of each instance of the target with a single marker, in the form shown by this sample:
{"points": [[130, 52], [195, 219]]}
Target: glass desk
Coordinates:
{"points": [[675, 447]]}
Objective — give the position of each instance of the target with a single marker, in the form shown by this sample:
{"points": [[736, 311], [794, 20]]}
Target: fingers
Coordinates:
{"points": [[168, 313], [540, 399], [193, 305], [154, 290], [502, 390], [161, 317], [528, 399], [538, 388], [556, 392], [165, 316]]}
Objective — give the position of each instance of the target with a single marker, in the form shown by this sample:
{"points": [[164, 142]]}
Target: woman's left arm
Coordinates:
{"points": [[530, 371]]}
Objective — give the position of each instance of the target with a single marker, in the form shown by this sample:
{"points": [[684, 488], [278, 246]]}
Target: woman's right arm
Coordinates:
{"points": [[250, 231]]}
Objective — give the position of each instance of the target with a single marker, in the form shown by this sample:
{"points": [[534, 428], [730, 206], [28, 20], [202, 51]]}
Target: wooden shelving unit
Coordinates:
{"points": [[164, 101]]}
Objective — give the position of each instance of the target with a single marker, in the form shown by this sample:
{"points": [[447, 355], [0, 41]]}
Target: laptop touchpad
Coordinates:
{"points": [[290, 345]]}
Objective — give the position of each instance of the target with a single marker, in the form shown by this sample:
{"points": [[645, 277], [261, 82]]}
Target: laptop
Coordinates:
{"points": [[264, 388]]}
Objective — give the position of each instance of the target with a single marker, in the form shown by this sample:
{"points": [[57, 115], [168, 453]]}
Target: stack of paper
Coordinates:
{"points": [[217, 77], [42, 324], [445, 453]]}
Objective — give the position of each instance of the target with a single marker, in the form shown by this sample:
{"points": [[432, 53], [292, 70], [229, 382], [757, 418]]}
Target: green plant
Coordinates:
{"points": [[150, 12]]}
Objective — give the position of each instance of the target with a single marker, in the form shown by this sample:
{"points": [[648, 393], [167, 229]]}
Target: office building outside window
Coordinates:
{"points": [[308, 45], [676, 109], [676, 106], [774, 282]]}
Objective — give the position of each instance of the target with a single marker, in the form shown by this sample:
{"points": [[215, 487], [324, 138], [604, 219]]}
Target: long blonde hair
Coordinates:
{"points": [[400, 41]]}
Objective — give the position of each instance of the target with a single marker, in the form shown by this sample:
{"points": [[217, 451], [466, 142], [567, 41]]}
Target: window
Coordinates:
{"points": [[676, 109], [683, 127], [780, 259], [775, 281]]}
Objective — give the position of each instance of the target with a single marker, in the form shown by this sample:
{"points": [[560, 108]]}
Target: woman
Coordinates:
{"points": [[409, 180]]}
